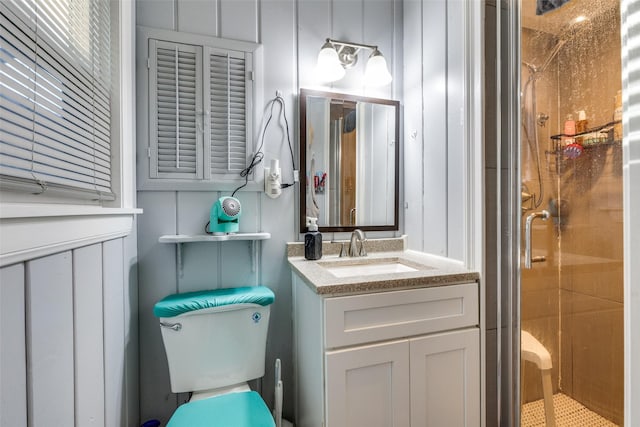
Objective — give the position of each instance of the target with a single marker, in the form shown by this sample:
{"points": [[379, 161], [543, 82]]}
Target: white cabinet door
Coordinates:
{"points": [[445, 379], [368, 386]]}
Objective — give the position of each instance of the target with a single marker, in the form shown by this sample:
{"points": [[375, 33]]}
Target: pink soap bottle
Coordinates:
{"points": [[569, 130]]}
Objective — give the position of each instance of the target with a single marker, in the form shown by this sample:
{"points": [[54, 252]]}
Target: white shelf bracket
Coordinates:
{"points": [[180, 239], [253, 254], [179, 259]]}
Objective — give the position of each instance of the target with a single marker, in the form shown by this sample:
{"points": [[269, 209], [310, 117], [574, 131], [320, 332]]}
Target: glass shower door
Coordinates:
{"points": [[571, 276]]}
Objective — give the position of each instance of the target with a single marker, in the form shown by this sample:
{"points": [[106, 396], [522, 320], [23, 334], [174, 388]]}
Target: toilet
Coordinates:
{"points": [[215, 342]]}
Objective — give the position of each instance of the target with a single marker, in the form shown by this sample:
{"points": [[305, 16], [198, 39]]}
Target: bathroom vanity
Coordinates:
{"points": [[391, 339]]}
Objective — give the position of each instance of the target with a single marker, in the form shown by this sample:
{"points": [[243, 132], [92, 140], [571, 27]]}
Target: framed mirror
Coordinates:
{"points": [[349, 161]]}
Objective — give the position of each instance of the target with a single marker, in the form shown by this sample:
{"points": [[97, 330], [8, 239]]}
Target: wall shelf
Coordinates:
{"points": [[588, 131], [185, 238], [180, 239]]}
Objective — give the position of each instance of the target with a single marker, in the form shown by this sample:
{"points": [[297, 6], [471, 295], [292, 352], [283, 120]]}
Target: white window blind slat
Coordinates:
{"points": [[55, 123]]}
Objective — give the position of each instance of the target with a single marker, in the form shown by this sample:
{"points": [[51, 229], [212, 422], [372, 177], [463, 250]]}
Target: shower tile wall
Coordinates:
{"points": [[574, 304]]}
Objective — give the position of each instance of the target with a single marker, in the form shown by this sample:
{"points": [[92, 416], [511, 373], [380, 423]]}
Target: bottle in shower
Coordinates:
{"points": [[581, 126], [569, 130]]}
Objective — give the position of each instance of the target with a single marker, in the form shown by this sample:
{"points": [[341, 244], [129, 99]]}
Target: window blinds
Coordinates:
{"points": [[174, 109], [228, 109], [200, 100], [55, 88]]}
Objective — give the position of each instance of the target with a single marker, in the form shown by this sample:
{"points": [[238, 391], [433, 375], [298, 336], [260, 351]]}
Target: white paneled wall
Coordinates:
{"points": [[434, 127], [291, 32], [65, 330]]}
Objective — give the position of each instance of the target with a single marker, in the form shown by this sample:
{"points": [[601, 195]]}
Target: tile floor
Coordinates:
{"points": [[569, 413]]}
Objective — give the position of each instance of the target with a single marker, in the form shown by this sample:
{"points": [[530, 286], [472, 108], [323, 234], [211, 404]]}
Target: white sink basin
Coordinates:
{"points": [[367, 268]]}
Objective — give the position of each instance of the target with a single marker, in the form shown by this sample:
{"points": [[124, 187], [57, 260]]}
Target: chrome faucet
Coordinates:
{"points": [[357, 236]]}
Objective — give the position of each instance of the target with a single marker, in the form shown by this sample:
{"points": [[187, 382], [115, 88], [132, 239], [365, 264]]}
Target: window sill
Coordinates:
{"points": [[30, 231]]}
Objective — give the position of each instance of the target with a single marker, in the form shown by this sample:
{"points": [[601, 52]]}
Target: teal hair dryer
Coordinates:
{"points": [[225, 215]]}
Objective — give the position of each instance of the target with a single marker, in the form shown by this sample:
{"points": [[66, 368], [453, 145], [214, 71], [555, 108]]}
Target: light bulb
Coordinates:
{"points": [[328, 68], [376, 72]]}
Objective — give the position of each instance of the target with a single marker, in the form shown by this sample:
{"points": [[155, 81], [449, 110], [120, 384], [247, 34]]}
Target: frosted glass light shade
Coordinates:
{"points": [[329, 68], [376, 72]]}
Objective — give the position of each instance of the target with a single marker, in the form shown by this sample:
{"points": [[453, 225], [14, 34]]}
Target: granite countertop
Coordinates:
{"points": [[427, 271]]}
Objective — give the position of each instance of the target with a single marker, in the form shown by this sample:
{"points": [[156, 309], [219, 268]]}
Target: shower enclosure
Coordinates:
{"points": [[571, 276]]}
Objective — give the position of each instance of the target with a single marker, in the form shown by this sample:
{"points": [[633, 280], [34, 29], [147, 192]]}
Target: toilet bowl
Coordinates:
{"points": [[238, 409], [533, 351], [215, 342]]}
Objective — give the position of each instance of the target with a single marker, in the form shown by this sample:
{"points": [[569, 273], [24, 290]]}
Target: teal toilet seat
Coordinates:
{"points": [[244, 409]]}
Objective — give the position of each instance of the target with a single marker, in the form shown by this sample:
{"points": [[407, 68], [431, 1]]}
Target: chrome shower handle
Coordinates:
{"points": [[528, 259]]}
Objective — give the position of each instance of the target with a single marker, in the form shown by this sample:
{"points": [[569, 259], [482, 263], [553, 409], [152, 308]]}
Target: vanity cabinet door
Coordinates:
{"points": [[368, 386], [445, 379]]}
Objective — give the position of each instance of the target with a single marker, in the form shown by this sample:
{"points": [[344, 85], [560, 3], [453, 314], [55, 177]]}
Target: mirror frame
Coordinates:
{"points": [[304, 93]]}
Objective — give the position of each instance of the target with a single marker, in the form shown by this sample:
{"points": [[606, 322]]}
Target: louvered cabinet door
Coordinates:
{"points": [[228, 104], [175, 110]]}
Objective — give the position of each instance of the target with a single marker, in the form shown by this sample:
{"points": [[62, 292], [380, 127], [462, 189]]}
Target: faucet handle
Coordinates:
{"points": [[343, 252]]}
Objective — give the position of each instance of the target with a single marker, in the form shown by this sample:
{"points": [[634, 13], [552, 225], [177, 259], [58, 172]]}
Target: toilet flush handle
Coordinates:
{"points": [[175, 326]]}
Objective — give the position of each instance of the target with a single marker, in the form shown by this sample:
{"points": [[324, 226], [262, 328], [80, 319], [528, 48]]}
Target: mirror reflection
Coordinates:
{"points": [[349, 155]]}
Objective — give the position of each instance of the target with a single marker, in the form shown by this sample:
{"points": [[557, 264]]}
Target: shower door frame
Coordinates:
{"points": [[508, 287], [508, 233]]}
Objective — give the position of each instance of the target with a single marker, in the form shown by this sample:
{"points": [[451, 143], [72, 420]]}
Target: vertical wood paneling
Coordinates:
{"points": [[88, 336], [377, 15], [157, 276], [235, 262], [13, 370], [239, 20], [156, 13], [347, 22], [61, 380], [131, 335], [278, 216], [198, 16], [456, 108], [413, 126], [314, 26], [434, 77], [114, 333], [201, 261], [50, 363]]}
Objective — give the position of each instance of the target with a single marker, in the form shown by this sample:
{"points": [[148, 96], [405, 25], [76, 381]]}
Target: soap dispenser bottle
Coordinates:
{"points": [[312, 240]]}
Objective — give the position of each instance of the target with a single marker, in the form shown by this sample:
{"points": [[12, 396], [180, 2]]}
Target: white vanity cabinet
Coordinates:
{"points": [[405, 358]]}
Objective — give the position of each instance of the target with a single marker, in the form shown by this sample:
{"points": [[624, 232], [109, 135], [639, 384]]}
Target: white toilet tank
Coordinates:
{"points": [[215, 338]]}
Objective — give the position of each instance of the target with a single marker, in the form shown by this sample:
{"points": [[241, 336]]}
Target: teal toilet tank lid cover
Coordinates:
{"points": [[176, 304]]}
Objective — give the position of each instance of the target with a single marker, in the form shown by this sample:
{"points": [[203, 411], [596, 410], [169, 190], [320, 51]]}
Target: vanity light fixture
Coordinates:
{"points": [[335, 56]]}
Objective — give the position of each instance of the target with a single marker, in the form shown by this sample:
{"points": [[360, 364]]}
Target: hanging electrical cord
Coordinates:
{"points": [[259, 155]]}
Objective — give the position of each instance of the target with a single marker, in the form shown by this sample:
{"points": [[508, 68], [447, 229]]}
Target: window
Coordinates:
{"points": [[199, 108], [55, 97]]}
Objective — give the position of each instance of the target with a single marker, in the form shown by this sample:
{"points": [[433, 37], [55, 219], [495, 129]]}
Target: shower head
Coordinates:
{"points": [[552, 54], [534, 70], [567, 33]]}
